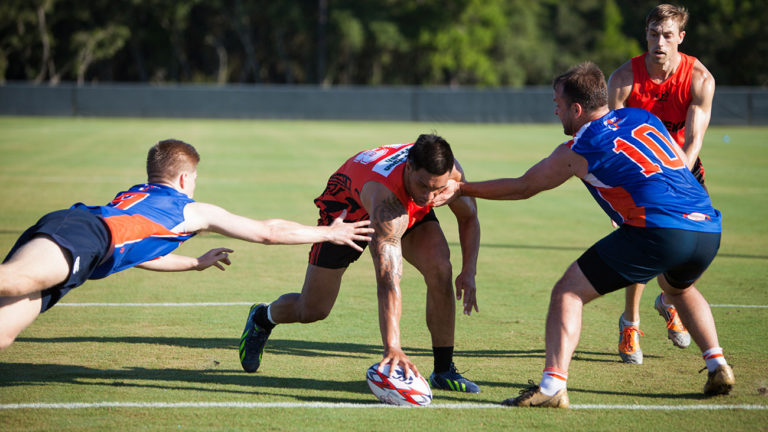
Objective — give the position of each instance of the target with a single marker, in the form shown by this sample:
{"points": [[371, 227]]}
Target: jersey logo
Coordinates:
{"points": [[369, 156], [663, 96], [656, 142], [386, 165], [127, 200]]}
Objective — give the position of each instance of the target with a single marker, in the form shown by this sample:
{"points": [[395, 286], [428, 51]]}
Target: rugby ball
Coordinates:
{"points": [[398, 389]]}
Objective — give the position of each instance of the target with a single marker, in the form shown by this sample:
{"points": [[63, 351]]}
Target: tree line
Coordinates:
{"points": [[486, 43]]}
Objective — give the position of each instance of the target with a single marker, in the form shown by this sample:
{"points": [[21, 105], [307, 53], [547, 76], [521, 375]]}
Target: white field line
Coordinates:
{"points": [[84, 405], [250, 303]]}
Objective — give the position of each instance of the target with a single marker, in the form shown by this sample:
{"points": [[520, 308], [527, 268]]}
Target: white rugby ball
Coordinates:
{"points": [[398, 389]]}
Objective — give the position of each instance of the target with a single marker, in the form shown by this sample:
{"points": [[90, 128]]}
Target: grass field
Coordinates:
{"points": [[144, 367]]}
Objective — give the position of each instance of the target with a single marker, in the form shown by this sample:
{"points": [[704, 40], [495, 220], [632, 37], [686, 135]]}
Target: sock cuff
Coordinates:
{"points": [[556, 373], [269, 314], [712, 353]]}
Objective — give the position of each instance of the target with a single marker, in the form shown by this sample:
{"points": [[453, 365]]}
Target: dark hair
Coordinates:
{"points": [[664, 12], [431, 153], [169, 158], [584, 84]]}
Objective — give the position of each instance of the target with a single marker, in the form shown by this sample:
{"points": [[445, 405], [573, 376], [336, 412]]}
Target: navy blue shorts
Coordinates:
{"points": [[83, 236], [636, 255], [333, 256]]}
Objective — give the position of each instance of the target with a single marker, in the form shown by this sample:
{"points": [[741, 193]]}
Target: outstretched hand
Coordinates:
{"points": [[448, 194], [214, 257], [343, 233]]}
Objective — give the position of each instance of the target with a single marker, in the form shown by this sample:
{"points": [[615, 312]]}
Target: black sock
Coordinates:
{"points": [[262, 320], [443, 357]]}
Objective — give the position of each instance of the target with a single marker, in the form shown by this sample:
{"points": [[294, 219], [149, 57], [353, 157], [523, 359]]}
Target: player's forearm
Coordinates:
{"points": [[288, 232], [469, 238], [694, 134], [499, 189], [390, 307], [170, 263]]}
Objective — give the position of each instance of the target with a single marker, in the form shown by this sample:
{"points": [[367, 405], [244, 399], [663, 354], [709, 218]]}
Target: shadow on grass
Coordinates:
{"points": [[209, 381]]}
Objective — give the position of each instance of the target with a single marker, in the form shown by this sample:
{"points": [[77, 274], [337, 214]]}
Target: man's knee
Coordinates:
{"points": [[309, 314]]}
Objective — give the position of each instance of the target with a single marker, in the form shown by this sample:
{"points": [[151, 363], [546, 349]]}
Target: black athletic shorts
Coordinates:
{"points": [[83, 236], [636, 255], [698, 171], [333, 256]]}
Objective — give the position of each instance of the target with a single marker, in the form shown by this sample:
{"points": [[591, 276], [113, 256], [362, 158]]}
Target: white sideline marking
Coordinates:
{"points": [[83, 405], [155, 304], [250, 303]]}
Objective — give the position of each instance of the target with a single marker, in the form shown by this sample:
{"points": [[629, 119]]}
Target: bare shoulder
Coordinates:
{"points": [[622, 76], [702, 80], [620, 85]]}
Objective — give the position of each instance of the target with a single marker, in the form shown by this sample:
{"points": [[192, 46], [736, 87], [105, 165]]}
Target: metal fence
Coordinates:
{"points": [[732, 105]]}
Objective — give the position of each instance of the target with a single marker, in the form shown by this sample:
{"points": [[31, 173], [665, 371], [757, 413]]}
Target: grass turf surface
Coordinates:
{"points": [[266, 169]]}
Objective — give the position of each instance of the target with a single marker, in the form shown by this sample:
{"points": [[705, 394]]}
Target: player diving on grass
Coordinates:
{"points": [[139, 228], [393, 187], [667, 225]]}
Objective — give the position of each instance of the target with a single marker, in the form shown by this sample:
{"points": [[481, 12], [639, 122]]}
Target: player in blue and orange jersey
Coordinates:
{"points": [[667, 225], [678, 89], [393, 187], [139, 228]]}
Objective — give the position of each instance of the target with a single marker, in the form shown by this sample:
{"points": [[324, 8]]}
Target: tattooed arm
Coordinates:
{"points": [[389, 219]]}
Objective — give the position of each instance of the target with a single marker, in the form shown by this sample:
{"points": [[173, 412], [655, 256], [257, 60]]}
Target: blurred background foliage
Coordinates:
{"points": [[483, 43]]}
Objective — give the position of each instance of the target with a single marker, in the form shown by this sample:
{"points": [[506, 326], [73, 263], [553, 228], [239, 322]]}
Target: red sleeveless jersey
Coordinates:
{"points": [[669, 100], [384, 165]]}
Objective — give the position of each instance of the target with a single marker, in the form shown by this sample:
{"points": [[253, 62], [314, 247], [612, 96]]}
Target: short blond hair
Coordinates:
{"points": [[169, 158]]}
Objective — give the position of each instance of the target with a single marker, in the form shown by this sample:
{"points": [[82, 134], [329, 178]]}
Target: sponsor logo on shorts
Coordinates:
{"points": [[76, 265], [696, 217]]}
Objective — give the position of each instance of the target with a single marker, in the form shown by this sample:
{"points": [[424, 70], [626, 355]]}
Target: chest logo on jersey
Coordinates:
{"points": [[386, 165], [369, 156], [674, 127], [662, 96]]}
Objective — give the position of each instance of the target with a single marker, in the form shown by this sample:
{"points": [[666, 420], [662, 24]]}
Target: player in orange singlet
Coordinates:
{"points": [[393, 186], [679, 90]]}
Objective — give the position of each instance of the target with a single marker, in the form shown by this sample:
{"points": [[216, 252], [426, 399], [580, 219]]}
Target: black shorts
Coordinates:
{"points": [[636, 255], [333, 256], [698, 171], [83, 236]]}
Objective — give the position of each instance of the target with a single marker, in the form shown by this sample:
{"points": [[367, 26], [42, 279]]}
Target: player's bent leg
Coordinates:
{"points": [[38, 264], [321, 287], [566, 305], [16, 314], [569, 296]]}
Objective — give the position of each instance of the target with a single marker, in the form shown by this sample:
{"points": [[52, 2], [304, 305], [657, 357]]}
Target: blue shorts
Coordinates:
{"points": [[83, 236], [636, 255], [333, 256]]}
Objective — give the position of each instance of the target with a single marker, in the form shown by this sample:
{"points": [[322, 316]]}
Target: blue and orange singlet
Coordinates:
{"points": [[637, 174], [145, 222]]}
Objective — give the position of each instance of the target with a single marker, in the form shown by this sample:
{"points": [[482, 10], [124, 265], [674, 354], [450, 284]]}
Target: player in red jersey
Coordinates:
{"points": [[139, 228], [678, 89], [393, 186]]}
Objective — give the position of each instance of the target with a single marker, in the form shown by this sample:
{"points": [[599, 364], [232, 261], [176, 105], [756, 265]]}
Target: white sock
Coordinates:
{"points": [[630, 323], [714, 358], [269, 314], [552, 381]]}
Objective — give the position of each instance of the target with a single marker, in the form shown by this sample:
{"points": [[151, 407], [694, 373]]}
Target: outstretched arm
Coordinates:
{"points": [[209, 217], [389, 220], [549, 173], [172, 262]]}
